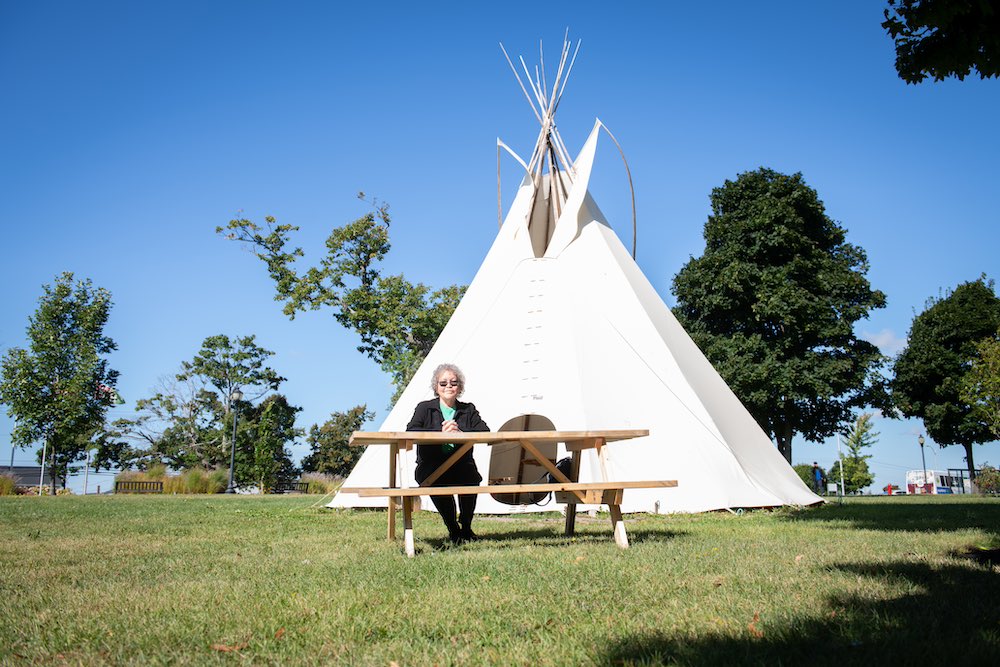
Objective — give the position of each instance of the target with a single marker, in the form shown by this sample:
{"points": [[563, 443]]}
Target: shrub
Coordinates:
{"points": [[218, 480], [8, 485], [156, 472], [321, 483], [988, 480], [189, 481], [199, 480]]}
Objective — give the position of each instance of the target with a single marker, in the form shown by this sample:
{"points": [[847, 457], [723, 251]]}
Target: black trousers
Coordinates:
{"points": [[463, 473]]}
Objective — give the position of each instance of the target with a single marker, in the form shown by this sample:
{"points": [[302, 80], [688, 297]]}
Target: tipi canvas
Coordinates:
{"points": [[560, 330]]}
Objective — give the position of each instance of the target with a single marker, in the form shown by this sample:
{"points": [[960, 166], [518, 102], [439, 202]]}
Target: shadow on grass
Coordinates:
{"points": [[911, 516], [953, 618], [545, 536]]}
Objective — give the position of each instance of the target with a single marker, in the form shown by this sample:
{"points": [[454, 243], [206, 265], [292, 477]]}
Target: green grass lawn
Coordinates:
{"points": [[271, 580]]}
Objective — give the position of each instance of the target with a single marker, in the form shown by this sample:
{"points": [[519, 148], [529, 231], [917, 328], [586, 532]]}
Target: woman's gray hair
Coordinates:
{"points": [[448, 367]]}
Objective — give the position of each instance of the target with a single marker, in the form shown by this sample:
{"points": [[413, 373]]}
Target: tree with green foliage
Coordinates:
{"points": [[231, 364], [856, 473], [59, 389], [773, 302], [981, 385], [180, 426], [228, 364], [942, 38], [398, 321], [861, 435], [988, 480], [329, 452], [265, 461], [188, 423], [933, 369]]}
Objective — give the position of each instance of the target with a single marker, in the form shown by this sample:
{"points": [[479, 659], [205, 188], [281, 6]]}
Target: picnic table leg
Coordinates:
{"points": [[408, 526], [574, 476], [393, 455], [618, 525]]}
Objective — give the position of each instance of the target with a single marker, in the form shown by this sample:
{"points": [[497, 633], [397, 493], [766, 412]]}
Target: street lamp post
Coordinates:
{"points": [[920, 441], [234, 399]]}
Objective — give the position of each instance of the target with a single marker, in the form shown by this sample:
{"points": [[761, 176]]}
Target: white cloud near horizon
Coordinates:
{"points": [[886, 341]]}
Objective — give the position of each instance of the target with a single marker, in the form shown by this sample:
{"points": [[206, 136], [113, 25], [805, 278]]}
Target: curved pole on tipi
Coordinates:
{"points": [[628, 172], [521, 162]]}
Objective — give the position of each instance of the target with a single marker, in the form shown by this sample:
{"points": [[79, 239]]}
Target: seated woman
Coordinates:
{"points": [[448, 414]]}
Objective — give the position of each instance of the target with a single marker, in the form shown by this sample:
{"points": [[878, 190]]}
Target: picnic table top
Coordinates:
{"points": [[431, 437]]}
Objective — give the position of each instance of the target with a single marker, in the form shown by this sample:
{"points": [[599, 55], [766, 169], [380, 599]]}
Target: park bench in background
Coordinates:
{"points": [[291, 487], [133, 486]]}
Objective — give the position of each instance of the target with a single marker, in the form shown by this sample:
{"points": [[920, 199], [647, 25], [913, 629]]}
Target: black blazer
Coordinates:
{"points": [[427, 417]]}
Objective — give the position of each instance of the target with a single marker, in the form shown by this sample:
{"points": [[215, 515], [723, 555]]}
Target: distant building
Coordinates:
{"points": [[954, 480], [28, 475]]}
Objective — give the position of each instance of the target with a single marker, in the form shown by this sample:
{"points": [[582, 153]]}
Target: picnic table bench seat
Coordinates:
{"points": [[138, 486], [291, 487]]}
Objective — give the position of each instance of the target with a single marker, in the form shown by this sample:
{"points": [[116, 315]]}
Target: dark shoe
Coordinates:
{"points": [[468, 536], [455, 537]]}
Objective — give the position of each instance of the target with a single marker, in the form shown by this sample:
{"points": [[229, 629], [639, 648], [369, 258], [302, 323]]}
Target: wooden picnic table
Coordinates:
{"points": [[567, 488]]}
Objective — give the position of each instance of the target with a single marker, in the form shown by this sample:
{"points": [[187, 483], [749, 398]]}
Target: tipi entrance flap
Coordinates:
{"points": [[511, 463]]}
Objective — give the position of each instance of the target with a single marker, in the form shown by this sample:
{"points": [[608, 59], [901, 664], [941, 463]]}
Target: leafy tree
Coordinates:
{"points": [[398, 322], [230, 364], [188, 423], [330, 453], [856, 473], [981, 385], [265, 459], [942, 38], [772, 303], [988, 480], [861, 435], [233, 364], [932, 370], [59, 389], [180, 426]]}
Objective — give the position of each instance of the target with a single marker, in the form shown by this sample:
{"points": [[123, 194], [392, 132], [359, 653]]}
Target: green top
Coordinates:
{"points": [[447, 413]]}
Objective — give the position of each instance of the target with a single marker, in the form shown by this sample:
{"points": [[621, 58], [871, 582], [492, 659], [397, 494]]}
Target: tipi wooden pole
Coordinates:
{"points": [[518, 77]]}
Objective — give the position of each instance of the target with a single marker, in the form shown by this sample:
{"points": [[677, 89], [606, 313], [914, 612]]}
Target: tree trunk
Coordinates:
{"points": [[52, 469], [972, 466], [783, 436]]}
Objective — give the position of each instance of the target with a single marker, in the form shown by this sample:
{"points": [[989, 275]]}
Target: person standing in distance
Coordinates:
{"points": [[447, 414], [817, 478]]}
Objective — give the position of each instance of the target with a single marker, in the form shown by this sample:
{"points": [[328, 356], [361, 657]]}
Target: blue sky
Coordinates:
{"points": [[129, 131]]}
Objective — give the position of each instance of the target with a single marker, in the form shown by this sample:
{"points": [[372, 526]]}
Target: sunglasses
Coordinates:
{"points": [[445, 383]]}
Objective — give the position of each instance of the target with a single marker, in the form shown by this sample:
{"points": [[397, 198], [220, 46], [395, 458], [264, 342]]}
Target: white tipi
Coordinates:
{"points": [[560, 330]]}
